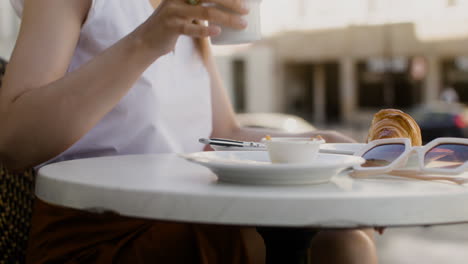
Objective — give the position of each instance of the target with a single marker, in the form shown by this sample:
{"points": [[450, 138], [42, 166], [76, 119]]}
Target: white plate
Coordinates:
{"points": [[254, 167], [330, 148], [341, 148]]}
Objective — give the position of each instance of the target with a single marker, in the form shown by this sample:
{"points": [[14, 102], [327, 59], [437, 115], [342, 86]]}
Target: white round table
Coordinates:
{"points": [[166, 187]]}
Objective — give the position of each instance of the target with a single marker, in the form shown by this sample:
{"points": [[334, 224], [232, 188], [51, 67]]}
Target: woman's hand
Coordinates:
{"points": [[176, 17]]}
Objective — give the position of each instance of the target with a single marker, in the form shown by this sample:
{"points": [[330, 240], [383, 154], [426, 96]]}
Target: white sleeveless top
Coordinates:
{"points": [[169, 107]]}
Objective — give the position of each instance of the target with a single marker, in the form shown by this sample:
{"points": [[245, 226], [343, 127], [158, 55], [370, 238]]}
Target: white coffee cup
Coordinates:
{"points": [[252, 33], [292, 150]]}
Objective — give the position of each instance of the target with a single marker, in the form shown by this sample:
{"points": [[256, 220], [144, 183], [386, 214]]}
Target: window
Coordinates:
{"points": [[239, 83], [452, 2]]}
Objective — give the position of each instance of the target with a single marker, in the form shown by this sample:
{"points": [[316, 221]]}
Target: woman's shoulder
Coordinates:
{"points": [[18, 5]]}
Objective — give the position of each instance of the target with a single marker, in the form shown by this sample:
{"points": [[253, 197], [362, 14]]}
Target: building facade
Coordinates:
{"points": [[388, 54]]}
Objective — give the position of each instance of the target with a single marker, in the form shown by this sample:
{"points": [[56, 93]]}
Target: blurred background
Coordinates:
{"points": [[331, 64], [335, 63]]}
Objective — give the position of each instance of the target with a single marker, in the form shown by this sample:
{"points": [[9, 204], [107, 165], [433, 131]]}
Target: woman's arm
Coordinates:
{"points": [[43, 110], [225, 124]]}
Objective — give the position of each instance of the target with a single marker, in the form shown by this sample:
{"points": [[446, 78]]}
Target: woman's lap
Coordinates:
{"points": [[62, 235]]}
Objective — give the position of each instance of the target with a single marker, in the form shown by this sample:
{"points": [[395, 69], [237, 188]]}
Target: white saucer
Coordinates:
{"points": [[330, 148], [254, 167], [341, 148]]}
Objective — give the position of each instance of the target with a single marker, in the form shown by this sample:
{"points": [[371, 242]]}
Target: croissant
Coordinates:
{"points": [[392, 123]]}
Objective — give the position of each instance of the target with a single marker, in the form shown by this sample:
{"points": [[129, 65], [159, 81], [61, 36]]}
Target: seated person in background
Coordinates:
{"points": [[94, 78]]}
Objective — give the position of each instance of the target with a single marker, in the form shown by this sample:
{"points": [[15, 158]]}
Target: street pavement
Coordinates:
{"points": [[430, 245]]}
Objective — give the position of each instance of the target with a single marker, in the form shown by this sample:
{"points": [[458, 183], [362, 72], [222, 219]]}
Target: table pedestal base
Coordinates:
{"points": [[286, 245]]}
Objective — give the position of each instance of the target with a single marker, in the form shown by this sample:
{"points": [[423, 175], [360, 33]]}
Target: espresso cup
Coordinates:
{"points": [[230, 36]]}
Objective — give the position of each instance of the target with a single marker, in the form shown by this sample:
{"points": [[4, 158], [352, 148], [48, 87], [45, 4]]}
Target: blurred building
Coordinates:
{"points": [[9, 24], [334, 60], [339, 60]]}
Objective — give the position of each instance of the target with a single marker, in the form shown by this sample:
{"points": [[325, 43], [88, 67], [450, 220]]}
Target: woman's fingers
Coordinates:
{"points": [[177, 16], [213, 15], [197, 30], [238, 6]]}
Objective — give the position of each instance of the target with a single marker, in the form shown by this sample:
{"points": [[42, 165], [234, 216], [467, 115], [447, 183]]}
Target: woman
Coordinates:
{"points": [[110, 77]]}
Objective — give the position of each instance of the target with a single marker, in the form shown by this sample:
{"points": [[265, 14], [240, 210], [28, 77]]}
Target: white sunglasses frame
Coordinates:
{"points": [[402, 160]]}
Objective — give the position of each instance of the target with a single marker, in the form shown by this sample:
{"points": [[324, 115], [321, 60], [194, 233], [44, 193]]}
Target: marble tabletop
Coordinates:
{"points": [[167, 187]]}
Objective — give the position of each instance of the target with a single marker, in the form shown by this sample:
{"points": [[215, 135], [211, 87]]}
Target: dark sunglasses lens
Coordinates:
{"points": [[383, 155], [446, 156]]}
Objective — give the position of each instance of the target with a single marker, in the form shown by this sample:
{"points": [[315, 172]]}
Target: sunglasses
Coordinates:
{"points": [[446, 156]]}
